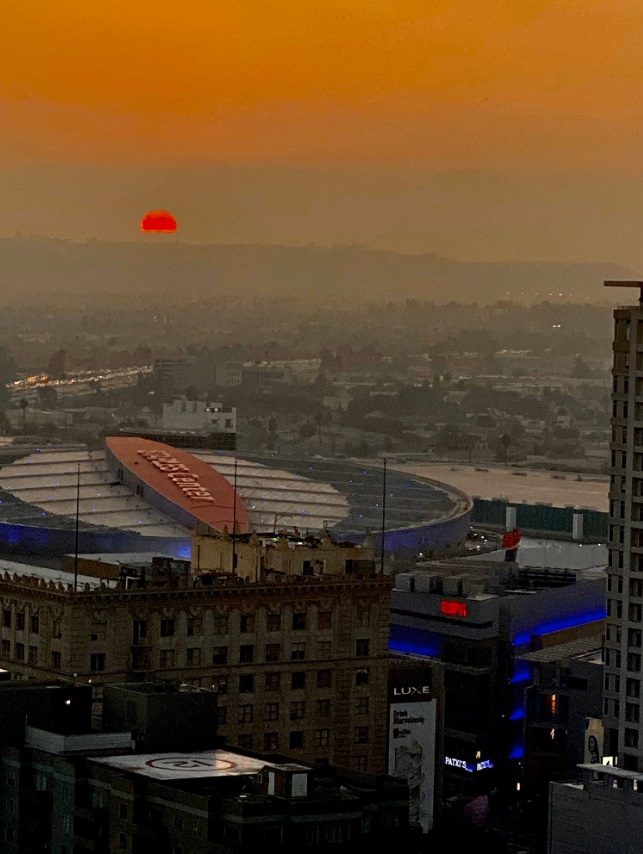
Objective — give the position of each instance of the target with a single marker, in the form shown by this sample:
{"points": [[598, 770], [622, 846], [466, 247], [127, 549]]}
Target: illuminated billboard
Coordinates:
{"points": [[411, 743]]}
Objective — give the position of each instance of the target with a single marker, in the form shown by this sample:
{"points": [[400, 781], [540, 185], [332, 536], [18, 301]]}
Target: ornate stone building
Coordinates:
{"points": [[300, 663]]}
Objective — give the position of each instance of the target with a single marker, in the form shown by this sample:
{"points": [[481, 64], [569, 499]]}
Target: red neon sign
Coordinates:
{"points": [[454, 609]]}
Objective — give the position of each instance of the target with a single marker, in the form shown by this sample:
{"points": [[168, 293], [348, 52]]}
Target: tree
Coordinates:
{"points": [[24, 403], [503, 447]]}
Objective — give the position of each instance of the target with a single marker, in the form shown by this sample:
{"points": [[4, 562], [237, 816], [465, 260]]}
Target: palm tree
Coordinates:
{"points": [[24, 403]]}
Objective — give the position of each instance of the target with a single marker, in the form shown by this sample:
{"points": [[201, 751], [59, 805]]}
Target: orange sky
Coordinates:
{"points": [[446, 83], [509, 87]]}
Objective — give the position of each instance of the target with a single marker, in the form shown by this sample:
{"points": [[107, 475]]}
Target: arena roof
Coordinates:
{"points": [[344, 496]]}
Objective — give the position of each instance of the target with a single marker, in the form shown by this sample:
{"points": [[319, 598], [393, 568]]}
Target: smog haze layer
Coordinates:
{"points": [[478, 133]]}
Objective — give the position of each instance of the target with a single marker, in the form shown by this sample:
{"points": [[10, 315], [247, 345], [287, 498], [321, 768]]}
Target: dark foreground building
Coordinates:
{"points": [[69, 789]]}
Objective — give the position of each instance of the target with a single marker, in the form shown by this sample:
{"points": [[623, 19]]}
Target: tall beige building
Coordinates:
{"points": [[300, 661]]}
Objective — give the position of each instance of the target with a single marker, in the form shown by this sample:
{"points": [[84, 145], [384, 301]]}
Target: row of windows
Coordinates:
{"points": [[323, 679], [613, 659], [634, 610], [632, 686], [247, 624], [274, 652], [20, 621], [321, 738], [272, 681], [296, 710]]}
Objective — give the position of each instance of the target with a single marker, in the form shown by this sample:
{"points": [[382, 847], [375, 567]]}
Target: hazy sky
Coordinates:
{"points": [[496, 129]]}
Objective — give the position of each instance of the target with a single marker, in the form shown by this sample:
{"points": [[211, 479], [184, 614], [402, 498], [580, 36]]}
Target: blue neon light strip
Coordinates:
{"points": [[558, 625], [432, 650]]}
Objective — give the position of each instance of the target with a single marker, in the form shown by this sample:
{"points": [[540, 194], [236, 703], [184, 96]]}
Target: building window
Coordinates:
{"points": [[246, 653], [321, 737], [633, 662], [362, 705], [296, 710], [245, 714], [298, 680], [362, 647], [322, 708], [167, 628], [636, 587], [324, 678], [361, 677], [139, 630], [272, 681], [299, 621], [122, 842], [631, 737], [272, 712], [273, 652], [273, 622], [247, 624], [6, 618], [364, 618], [97, 661], [633, 688], [220, 625], [222, 715], [361, 763], [298, 651], [246, 684], [296, 739], [35, 624], [246, 741], [122, 811], [20, 651], [632, 712], [634, 638], [270, 741], [324, 648], [195, 626], [361, 735], [6, 649], [220, 655], [56, 660], [33, 655], [194, 656], [20, 621], [635, 613], [324, 620], [166, 658]]}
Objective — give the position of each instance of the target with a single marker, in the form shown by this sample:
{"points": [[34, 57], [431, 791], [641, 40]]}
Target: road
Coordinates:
{"points": [[76, 385]]}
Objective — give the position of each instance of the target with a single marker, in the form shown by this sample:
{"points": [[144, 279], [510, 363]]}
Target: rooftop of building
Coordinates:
{"points": [[588, 649], [478, 579], [181, 766]]}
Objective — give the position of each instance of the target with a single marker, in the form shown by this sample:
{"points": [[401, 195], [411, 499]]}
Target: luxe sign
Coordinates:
{"points": [[412, 721], [179, 474]]}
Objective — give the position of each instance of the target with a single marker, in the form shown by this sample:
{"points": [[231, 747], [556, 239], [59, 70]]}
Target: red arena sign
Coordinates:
{"points": [[177, 483], [454, 609]]}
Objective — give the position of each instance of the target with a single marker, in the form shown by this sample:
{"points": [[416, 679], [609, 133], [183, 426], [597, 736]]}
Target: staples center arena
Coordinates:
{"points": [[142, 496]]}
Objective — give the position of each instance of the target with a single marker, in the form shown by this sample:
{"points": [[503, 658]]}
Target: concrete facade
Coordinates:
{"points": [[300, 664], [623, 708]]}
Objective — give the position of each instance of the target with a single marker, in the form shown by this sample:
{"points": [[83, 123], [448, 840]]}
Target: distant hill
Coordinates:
{"points": [[37, 266]]}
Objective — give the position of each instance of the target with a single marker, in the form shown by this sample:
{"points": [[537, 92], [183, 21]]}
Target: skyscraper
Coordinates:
{"points": [[623, 697]]}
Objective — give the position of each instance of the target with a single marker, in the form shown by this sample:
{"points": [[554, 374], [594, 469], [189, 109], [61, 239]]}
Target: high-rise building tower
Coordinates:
{"points": [[623, 696]]}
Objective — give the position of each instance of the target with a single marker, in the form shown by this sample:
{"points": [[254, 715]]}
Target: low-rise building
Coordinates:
{"points": [[478, 618]]}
